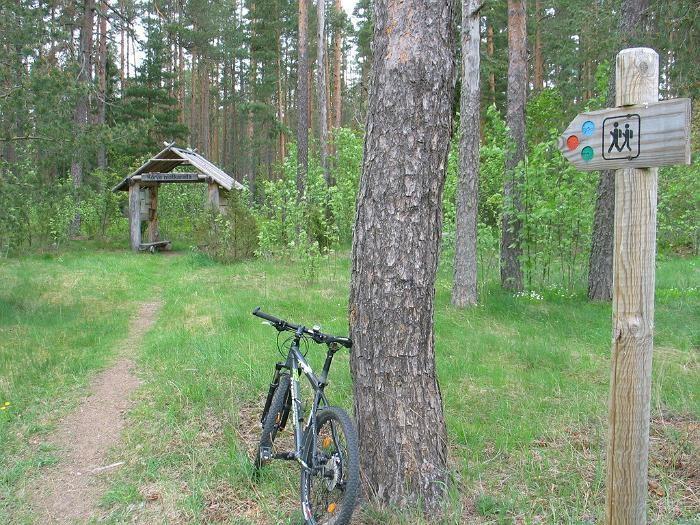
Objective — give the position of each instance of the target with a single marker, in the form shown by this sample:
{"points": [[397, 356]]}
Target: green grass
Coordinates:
{"points": [[524, 384]]}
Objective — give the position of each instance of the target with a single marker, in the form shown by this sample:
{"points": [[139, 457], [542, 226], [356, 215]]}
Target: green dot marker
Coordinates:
{"points": [[587, 153]]}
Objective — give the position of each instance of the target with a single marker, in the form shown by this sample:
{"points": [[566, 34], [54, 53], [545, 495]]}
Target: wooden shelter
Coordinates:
{"points": [[143, 184]]}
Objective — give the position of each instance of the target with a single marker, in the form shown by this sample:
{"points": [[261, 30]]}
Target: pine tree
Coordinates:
{"points": [[511, 250], [395, 254], [464, 288]]}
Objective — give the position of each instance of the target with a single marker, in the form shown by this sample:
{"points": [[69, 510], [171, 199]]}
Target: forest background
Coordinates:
{"points": [[89, 90]]}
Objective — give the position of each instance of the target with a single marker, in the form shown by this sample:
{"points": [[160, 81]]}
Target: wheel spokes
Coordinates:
{"points": [[327, 484]]}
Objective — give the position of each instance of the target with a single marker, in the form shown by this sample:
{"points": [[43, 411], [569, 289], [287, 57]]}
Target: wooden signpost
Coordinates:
{"points": [[633, 138]]}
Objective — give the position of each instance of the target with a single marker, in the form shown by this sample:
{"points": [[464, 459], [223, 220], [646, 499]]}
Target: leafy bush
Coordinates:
{"points": [[324, 217], [229, 236], [679, 208]]}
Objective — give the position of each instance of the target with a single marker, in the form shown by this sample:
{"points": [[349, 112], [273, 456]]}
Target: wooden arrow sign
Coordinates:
{"points": [[643, 136]]}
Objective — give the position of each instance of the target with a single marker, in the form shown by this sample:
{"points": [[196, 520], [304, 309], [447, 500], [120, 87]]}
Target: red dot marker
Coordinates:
{"points": [[572, 142]]}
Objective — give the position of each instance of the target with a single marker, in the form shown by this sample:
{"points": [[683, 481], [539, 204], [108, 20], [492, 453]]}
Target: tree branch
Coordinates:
{"points": [[26, 137], [478, 9]]}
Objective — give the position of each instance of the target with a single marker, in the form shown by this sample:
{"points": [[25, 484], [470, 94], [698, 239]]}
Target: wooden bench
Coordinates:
{"points": [[155, 246]]}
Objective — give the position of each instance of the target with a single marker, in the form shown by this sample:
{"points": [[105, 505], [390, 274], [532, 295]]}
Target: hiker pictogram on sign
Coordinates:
{"points": [[621, 137]]}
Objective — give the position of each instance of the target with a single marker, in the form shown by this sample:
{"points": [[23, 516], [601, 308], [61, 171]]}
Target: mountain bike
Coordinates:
{"points": [[325, 446]]}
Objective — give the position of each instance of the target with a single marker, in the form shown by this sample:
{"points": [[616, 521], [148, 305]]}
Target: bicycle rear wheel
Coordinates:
{"points": [[329, 489], [274, 420]]}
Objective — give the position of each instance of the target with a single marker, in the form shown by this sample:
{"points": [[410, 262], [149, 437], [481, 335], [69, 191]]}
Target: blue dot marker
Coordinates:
{"points": [[588, 128]]}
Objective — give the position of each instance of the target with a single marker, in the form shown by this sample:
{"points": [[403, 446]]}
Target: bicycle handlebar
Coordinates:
{"points": [[318, 337]]}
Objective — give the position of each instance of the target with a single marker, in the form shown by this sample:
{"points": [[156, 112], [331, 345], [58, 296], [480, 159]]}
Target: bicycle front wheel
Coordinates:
{"points": [[329, 488]]}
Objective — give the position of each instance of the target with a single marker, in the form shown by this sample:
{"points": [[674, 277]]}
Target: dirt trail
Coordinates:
{"points": [[70, 491]]}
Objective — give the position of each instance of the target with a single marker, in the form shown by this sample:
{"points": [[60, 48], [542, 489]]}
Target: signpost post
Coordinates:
{"points": [[634, 138]]}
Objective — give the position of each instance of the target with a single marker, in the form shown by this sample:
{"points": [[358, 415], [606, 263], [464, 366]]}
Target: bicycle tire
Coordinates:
{"points": [[274, 419], [345, 470]]}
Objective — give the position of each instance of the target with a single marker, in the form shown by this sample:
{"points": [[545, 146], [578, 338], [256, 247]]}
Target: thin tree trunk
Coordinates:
{"points": [[80, 117], [250, 157], [321, 89], [102, 76], [280, 104], [205, 129], [539, 66], [194, 135], [250, 125], [122, 76], [329, 108], [180, 80], [511, 249], [310, 98], [395, 254], [225, 116], [489, 52], [337, 64], [128, 48], [464, 288], [234, 116], [632, 27], [303, 100], [600, 261]]}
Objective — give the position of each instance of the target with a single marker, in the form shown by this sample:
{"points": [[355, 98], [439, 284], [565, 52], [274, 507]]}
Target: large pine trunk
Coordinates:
{"points": [[303, 100], [395, 254], [511, 249], [632, 26], [464, 288]]}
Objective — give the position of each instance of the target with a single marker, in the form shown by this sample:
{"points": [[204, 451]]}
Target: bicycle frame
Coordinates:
{"points": [[297, 364]]}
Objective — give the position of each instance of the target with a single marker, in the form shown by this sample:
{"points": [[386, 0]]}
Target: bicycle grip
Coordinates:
{"points": [[267, 317]]}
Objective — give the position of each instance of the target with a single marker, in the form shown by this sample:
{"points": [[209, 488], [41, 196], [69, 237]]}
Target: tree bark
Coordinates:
{"points": [[464, 287], [80, 116], [632, 26], [511, 249], [303, 100], [395, 254]]}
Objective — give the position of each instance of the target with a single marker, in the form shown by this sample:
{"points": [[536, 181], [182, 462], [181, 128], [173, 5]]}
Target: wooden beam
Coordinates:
{"points": [[153, 215], [213, 198], [180, 161], [135, 215], [637, 77]]}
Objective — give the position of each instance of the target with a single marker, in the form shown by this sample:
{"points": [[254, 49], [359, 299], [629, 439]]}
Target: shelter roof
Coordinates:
{"points": [[172, 157]]}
